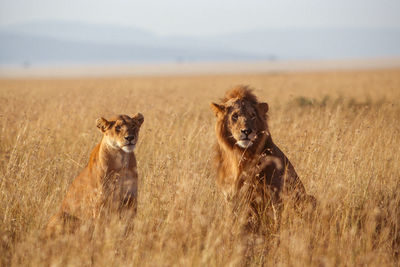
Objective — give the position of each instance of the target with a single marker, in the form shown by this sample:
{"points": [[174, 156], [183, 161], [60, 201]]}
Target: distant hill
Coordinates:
{"points": [[27, 49], [57, 42], [308, 44]]}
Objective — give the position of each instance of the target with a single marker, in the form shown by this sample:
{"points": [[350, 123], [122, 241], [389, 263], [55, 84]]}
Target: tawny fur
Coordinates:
{"points": [[110, 179], [261, 166]]}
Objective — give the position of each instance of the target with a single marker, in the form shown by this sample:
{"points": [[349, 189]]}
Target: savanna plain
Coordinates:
{"points": [[341, 131]]}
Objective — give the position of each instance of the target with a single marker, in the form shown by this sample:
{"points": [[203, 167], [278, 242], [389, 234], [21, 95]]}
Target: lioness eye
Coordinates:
{"points": [[117, 128]]}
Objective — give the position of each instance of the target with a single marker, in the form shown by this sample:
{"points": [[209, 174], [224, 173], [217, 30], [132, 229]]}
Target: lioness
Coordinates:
{"points": [[247, 157], [109, 180]]}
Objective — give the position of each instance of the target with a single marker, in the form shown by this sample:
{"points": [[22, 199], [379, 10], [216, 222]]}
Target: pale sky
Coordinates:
{"points": [[207, 17]]}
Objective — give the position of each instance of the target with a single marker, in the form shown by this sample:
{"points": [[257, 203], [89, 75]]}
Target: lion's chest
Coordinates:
{"points": [[240, 170]]}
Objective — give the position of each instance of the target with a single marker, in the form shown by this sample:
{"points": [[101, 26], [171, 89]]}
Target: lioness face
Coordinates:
{"points": [[242, 119], [121, 132]]}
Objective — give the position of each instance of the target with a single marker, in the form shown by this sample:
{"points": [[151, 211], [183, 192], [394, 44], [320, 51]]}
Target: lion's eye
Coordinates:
{"points": [[235, 117], [118, 128]]}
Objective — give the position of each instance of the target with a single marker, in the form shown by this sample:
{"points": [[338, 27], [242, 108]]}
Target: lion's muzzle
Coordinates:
{"points": [[247, 138]]}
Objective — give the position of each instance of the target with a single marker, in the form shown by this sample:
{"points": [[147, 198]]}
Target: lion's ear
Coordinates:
{"points": [[139, 118], [263, 108], [102, 124], [218, 109]]}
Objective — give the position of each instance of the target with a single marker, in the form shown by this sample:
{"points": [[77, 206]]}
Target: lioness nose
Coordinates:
{"points": [[129, 137], [246, 131]]}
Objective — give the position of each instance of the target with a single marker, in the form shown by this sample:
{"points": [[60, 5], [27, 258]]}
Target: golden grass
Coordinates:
{"points": [[340, 130]]}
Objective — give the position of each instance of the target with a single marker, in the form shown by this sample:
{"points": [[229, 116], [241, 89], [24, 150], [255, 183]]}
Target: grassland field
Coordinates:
{"points": [[341, 131]]}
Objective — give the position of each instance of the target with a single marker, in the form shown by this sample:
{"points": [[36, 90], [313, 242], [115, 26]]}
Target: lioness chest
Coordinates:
{"points": [[123, 184]]}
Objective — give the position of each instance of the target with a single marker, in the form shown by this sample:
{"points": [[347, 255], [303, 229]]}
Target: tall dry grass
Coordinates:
{"points": [[340, 130]]}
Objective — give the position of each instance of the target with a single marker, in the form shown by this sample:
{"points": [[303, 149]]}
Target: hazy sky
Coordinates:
{"points": [[202, 17]]}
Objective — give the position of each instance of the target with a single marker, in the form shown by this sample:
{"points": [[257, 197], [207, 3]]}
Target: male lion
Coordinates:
{"points": [[247, 158], [108, 181]]}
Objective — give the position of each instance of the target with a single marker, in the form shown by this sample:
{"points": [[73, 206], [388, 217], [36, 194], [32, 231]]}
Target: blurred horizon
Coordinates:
{"points": [[101, 33]]}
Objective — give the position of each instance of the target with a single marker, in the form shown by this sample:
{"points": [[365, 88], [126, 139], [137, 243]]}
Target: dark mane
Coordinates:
{"points": [[242, 92]]}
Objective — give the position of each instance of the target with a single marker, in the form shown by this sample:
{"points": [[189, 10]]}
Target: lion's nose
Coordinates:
{"points": [[246, 131], [130, 137]]}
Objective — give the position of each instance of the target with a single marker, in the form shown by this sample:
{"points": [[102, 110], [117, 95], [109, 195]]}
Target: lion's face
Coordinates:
{"points": [[121, 132], [241, 121]]}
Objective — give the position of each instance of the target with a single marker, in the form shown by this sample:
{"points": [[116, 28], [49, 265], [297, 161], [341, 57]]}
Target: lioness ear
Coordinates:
{"points": [[218, 109], [263, 107], [102, 124], [139, 117]]}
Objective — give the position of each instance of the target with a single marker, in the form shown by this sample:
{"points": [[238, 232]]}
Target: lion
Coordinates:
{"points": [[247, 158], [110, 179]]}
